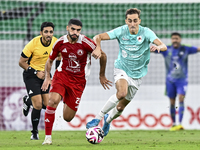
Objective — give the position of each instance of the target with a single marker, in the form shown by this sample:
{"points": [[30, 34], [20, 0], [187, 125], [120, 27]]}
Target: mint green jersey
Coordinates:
{"points": [[134, 50]]}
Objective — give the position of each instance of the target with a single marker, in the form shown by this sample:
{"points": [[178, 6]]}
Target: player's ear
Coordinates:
{"points": [[126, 21], [67, 28]]}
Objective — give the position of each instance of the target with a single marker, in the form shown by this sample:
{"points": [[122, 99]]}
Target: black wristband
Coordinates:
{"points": [[31, 70], [57, 63]]}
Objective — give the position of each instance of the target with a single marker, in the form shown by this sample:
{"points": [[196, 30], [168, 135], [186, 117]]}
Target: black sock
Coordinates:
{"points": [[43, 106], [35, 118]]}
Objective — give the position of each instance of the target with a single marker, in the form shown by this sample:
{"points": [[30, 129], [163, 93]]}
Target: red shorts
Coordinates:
{"points": [[71, 92]]}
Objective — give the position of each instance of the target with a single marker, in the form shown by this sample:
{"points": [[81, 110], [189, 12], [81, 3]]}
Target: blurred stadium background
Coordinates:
{"points": [[20, 21]]}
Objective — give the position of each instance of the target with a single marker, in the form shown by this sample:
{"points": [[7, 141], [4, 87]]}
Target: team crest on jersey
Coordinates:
{"points": [[64, 50], [139, 38], [80, 52]]}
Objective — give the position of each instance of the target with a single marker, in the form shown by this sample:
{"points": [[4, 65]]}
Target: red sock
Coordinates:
{"points": [[49, 119]]}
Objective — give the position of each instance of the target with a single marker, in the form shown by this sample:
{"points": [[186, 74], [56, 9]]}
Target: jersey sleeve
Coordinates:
{"points": [[28, 49], [55, 50], [150, 35], [115, 33], [89, 44], [192, 49]]}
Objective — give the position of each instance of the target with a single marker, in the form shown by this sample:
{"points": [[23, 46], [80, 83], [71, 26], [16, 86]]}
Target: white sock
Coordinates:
{"points": [[110, 104], [113, 115], [47, 136]]}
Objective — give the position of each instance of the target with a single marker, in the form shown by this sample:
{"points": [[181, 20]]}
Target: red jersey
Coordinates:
{"points": [[76, 58]]}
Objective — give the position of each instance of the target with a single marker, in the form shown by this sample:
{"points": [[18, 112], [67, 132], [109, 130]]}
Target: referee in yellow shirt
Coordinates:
{"points": [[32, 60]]}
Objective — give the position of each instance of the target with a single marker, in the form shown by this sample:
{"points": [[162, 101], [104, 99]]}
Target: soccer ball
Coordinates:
{"points": [[94, 135]]}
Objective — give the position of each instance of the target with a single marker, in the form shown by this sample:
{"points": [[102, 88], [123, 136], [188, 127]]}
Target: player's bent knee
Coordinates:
{"points": [[53, 103], [120, 108], [38, 107], [121, 95]]}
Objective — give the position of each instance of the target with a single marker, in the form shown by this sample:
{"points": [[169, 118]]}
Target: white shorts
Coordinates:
{"points": [[133, 84]]}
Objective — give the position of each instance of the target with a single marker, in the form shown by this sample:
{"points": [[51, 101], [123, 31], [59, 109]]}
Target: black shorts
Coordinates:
{"points": [[33, 84]]}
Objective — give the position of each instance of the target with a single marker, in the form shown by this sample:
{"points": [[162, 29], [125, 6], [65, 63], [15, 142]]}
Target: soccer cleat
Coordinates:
{"points": [[34, 136], [106, 126], [26, 107], [173, 128], [92, 123], [179, 127], [47, 141]]}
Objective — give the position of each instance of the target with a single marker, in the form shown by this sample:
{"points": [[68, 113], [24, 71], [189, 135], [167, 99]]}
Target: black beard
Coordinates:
{"points": [[73, 39], [177, 44]]}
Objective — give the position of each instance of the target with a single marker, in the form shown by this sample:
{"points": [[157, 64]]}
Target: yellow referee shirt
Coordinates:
{"points": [[38, 52]]}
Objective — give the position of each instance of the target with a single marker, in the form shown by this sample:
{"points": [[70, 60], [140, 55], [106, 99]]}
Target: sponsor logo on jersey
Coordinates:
{"points": [[125, 39], [80, 52], [124, 54], [72, 56], [73, 62], [181, 53], [64, 50], [45, 53], [139, 38]]}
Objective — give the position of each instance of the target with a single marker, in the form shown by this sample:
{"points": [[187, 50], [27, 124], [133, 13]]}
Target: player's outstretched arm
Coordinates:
{"points": [[47, 79], [97, 39], [160, 46], [103, 80]]}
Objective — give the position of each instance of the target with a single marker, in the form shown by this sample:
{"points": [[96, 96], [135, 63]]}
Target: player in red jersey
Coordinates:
{"points": [[70, 78]]}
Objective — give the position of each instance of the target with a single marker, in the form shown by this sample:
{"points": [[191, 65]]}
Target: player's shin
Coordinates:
{"points": [[35, 118], [181, 111], [113, 115], [110, 104], [49, 119], [173, 114]]}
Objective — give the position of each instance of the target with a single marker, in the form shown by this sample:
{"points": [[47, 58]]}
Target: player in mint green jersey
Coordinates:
{"points": [[130, 66]]}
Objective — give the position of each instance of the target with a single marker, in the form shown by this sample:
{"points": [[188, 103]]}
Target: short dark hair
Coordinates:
{"points": [[47, 24], [176, 33], [75, 22], [133, 11]]}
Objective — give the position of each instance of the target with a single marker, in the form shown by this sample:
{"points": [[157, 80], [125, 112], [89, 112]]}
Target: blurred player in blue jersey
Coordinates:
{"points": [[176, 62], [130, 66]]}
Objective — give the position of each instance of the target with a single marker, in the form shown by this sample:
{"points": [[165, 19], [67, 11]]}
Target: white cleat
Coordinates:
{"points": [[47, 141]]}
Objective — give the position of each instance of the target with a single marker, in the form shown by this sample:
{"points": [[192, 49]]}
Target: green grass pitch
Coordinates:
{"points": [[115, 140]]}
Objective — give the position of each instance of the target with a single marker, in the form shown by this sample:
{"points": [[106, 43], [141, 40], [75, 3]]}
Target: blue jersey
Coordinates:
{"points": [[176, 62], [134, 50]]}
